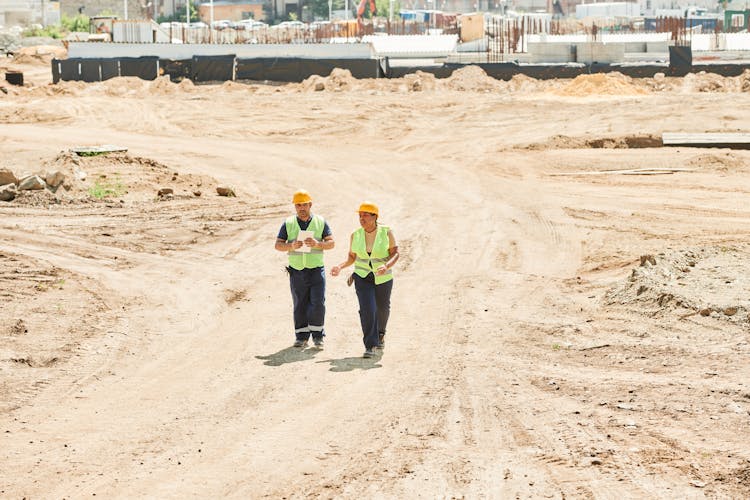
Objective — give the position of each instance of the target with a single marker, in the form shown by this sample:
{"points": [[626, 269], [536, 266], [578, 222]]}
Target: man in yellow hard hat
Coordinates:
{"points": [[304, 236]]}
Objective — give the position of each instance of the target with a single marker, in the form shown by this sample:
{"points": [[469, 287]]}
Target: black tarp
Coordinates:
{"points": [[298, 69], [212, 68], [110, 68], [145, 68], [55, 70], [721, 69], [680, 60], [91, 70], [69, 70], [176, 69]]}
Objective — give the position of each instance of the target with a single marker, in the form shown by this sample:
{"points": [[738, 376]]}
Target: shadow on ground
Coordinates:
{"points": [[288, 355], [349, 364]]}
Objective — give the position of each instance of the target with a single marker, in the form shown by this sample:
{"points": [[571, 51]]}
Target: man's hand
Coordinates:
{"points": [[296, 244], [311, 242]]}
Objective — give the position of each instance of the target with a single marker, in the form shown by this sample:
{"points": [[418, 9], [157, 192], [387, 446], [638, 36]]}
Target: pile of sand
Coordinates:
{"points": [[472, 78], [119, 175], [709, 82], [124, 86], [524, 84], [39, 55], [600, 84], [339, 80], [420, 81], [709, 281], [744, 81]]}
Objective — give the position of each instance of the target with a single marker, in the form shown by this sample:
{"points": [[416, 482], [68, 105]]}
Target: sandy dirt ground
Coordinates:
{"points": [[564, 323]]}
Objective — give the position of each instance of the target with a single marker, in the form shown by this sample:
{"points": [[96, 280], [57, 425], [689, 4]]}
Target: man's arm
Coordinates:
{"points": [[284, 246]]}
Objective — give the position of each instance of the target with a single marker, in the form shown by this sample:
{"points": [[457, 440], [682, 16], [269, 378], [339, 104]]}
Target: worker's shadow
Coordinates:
{"points": [[349, 364], [288, 355]]}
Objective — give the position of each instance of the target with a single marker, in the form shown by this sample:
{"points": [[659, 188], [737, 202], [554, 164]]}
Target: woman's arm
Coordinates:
{"points": [[393, 254], [350, 258]]}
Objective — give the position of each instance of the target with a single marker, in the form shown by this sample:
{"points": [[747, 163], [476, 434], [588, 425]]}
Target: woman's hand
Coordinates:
{"points": [[335, 270], [381, 270]]}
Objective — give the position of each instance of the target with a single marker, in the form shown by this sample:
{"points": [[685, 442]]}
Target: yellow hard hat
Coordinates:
{"points": [[301, 196], [368, 207]]}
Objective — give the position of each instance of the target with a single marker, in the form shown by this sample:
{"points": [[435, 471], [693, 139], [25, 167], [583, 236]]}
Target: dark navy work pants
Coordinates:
{"points": [[308, 296], [374, 307]]}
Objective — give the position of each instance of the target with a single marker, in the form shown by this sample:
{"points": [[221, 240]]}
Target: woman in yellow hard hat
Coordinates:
{"points": [[373, 251]]}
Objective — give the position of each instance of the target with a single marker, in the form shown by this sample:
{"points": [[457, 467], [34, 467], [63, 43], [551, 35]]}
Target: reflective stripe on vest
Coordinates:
{"points": [[365, 264], [305, 260]]}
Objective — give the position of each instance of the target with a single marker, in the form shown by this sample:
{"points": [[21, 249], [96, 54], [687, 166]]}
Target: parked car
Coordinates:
{"points": [[249, 25], [291, 25], [222, 24]]}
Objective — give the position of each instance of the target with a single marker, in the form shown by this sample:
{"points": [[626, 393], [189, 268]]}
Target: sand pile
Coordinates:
{"points": [[709, 281], [40, 54], [472, 78], [709, 82], [613, 142], [524, 84], [600, 84], [744, 81], [339, 80], [163, 86], [420, 81], [124, 86], [111, 176]]}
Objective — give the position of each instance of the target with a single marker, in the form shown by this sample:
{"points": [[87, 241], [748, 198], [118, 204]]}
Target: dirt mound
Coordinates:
{"points": [[39, 54], [187, 85], [744, 81], [113, 177], [339, 80], [600, 84], [162, 86], [124, 86], [709, 82], [472, 78], [524, 84], [617, 142], [420, 81], [710, 281]]}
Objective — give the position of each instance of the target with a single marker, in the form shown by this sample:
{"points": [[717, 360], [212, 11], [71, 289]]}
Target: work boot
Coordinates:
{"points": [[318, 343], [300, 343], [381, 341], [368, 353]]}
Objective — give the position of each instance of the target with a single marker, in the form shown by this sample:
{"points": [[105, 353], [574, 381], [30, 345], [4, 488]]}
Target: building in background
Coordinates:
{"points": [[28, 12], [232, 10]]}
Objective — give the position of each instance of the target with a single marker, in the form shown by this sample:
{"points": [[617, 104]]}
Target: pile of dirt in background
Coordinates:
{"points": [[614, 83], [707, 282], [420, 81], [525, 84], [710, 82], [112, 176], [39, 55], [473, 79]]}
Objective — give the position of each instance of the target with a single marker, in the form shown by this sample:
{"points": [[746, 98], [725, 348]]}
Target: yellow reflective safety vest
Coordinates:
{"points": [[365, 264], [305, 260]]}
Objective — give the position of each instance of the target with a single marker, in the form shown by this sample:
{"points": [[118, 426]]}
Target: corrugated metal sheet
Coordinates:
{"points": [[132, 31], [412, 46]]}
